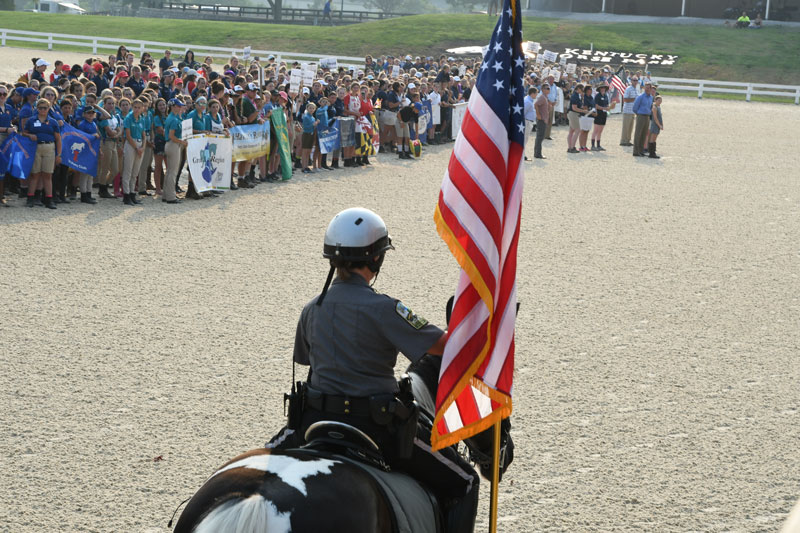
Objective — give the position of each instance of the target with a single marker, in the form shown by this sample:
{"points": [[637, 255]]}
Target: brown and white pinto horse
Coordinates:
{"points": [[302, 491]]}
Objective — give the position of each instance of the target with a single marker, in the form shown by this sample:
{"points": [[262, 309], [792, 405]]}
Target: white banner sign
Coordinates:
{"points": [[563, 61], [296, 79], [436, 113], [246, 53], [329, 63], [186, 129], [540, 60], [395, 71], [556, 74], [533, 47], [209, 161], [571, 68], [458, 117], [550, 56]]}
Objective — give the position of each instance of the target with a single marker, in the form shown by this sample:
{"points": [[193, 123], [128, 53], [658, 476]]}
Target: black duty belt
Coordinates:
{"points": [[342, 405], [45, 142]]}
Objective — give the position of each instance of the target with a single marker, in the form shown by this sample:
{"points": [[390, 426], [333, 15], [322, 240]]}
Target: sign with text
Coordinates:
{"points": [[186, 129], [209, 160], [550, 56], [603, 56]]}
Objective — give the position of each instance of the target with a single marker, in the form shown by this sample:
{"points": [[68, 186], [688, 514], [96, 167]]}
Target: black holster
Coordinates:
{"points": [[400, 414], [293, 405]]}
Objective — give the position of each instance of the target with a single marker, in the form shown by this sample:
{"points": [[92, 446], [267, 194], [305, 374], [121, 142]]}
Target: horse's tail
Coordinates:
{"points": [[253, 514]]}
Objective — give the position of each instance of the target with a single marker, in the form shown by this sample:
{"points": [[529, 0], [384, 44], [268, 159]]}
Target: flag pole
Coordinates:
{"points": [[495, 478]]}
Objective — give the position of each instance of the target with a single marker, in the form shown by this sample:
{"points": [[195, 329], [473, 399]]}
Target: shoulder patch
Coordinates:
{"points": [[416, 321]]}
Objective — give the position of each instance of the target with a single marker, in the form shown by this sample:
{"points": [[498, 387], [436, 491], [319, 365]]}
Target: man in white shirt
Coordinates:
{"points": [[552, 99], [530, 114], [631, 92]]}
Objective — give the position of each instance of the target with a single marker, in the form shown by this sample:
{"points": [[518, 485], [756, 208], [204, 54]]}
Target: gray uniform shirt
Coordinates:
{"points": [[351, 341]]}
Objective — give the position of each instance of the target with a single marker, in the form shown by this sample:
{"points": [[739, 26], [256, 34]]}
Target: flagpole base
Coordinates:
{"points": [[495, 478]]}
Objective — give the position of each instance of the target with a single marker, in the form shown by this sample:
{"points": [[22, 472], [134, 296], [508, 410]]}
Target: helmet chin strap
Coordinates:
{"points": [[327, 284]]}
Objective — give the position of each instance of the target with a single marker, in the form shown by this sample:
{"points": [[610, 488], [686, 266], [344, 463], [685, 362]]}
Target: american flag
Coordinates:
{"points": [[478, 216], [616, 82]]}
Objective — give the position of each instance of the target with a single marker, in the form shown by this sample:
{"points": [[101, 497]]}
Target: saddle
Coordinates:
{"points": [[414, 507]]}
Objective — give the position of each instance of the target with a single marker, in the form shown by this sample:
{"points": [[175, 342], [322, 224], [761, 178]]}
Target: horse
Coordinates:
{"points": [[321, 489]]}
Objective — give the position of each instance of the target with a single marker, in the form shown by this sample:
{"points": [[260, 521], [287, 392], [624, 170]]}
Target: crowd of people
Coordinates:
{"points": [[136, 107]]}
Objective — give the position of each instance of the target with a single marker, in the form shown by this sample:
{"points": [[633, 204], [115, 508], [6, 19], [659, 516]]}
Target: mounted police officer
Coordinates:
{"points": [[350, 336]]}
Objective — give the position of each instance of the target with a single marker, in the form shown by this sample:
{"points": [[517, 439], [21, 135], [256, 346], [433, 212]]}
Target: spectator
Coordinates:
{"points": [[134, 135], [575, 111], [530, 115], [45, 132], [602, 107], [165, 63], [326, 12], [642, 108], [656, 126], [542, 106], [628, 116]]}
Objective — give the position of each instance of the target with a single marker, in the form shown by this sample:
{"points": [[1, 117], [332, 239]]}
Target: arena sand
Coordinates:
{"points": [[656, 379]]}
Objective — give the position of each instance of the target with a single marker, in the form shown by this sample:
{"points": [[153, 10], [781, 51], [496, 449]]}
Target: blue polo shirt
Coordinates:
{"points": [[7, 115], [113, 122], [576, 99], [135, 126], [45, 131], [87, 127], [173, 123], [643, 105], [159, 122], [308, 123], [199, 123]]}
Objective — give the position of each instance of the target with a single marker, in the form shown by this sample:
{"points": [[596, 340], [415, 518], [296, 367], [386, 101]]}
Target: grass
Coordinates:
{"points": [[728, 96], [770, 55]]}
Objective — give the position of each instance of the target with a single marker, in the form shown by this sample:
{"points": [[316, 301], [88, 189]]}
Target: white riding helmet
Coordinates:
{"points": [[356, 234]]}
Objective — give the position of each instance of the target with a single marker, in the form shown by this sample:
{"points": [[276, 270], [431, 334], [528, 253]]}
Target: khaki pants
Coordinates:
{"points": [[640, 134], [147, 158], [131, 161], [627, 127], [84, 182], [109, 162], [551, 110], [45, 158], [172, 151]]}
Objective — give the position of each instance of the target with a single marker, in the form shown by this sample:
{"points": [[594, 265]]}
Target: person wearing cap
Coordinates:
{"points": [[39, 66], [165, 87], [173, 129], [45, 132], [628, 116], [88, 126], [27, 110]]}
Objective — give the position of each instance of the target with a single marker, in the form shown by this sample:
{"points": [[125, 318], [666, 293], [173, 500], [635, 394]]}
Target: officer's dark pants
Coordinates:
{"points": [[445, 472]]}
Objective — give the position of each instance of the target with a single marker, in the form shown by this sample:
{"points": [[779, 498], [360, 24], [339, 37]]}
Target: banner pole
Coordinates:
{"points": [[495, 478]]}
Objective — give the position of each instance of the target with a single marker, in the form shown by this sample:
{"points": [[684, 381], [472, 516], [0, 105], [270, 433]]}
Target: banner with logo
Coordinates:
{"points": [[458, 118], [368, 139], [250, 142], [209, 159], [16, 156], [329, 139], [284, 149], [79, 150]]}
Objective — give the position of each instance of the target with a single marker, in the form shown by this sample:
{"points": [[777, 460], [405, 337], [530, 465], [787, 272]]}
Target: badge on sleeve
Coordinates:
{"points": [[416, 321]]}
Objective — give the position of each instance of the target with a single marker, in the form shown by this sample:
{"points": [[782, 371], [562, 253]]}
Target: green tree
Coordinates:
{"points": [[6, 5]]}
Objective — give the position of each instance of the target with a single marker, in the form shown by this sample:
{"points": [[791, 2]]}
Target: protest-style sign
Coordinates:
{"points": [[186, 129], [296, 79], [309, 73], [458, 117], [329, 139], [282, 136], [79, 150], [550, 56], [246, 53], [436, 114], [533, 47], [209, 160], [540, 60], [251, 141], [556, 74], [563, 61], [16, 156], [395, 71], [329, 63], [545, 72], [571, 67]]}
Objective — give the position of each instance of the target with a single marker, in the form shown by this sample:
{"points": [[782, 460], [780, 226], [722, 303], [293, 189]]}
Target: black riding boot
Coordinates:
{"points": [[651, 148], [460, 515]]}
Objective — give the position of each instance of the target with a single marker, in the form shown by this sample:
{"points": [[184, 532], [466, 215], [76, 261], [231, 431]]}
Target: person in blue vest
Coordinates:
{"points": [[45, 131], [326, 12], [88, 126]]}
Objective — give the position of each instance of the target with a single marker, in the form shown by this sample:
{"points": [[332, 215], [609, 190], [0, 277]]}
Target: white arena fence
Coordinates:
{"points": [[730, 87], [110, 44]]}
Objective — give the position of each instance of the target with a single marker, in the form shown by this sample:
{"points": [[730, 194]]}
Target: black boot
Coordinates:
{"points": [[651, 148], [49, 203], [86, 198], [234, 187], [30, 202], [23, 192], [126, 199], [103, 192], [335, 163], [365, 160], [134, 199], [37, 199]]}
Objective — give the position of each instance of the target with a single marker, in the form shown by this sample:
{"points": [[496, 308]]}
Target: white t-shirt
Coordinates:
{"points": [[630, 92]]}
